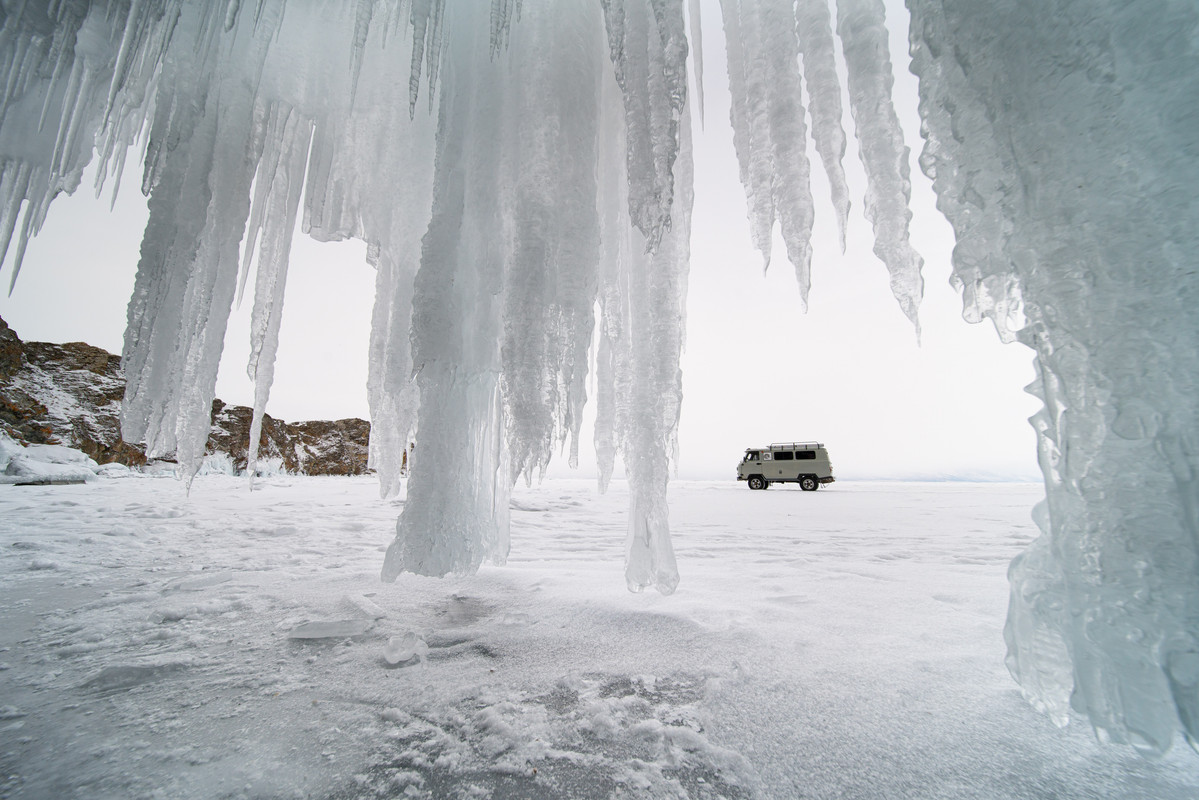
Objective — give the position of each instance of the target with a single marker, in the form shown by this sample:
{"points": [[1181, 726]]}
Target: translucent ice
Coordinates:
{"points": [[405, 647], [330, 629], [1063, 153]]}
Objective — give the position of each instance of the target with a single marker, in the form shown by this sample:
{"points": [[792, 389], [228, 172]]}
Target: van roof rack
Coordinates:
{"points": [[795, 445]]}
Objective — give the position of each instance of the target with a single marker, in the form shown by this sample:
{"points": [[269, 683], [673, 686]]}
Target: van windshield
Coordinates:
{"points": [[752, 455]]}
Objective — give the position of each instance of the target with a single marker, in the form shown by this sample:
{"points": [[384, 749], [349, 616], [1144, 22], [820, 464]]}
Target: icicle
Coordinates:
{"points": [[266, 150], [456, 514], [362, 26], [187, 274], [393, 396], [768, 124], [502, 12], [14, 188], [642, 297], [551, 283], [697, 55], [648, 48], [426, 45], [616, 249], [824, 100], [284, 175], [863, 32], [133, 26]]}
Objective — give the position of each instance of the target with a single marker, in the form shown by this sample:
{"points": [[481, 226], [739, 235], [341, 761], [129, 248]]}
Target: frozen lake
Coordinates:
{"points": [[839, 644]]}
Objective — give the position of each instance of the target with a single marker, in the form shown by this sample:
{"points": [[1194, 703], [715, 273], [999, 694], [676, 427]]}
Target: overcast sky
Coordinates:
{"points": [[756, 370]]}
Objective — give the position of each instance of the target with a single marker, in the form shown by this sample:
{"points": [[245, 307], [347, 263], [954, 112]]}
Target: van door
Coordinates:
{"points": [[784, 466]]}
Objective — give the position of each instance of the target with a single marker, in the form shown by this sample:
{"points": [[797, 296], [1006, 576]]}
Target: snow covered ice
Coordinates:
{"points": [[513, 165], [860, 657]]}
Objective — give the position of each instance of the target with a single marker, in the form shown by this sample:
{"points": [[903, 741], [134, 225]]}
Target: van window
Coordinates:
{"points": [[806, 455], [753, 455], [784, 455], [766, 456]]}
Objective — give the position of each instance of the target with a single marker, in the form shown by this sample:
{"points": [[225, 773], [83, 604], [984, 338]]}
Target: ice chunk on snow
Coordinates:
{"points": [[25, 469], [330, 629], [202, 581], [404, 648], [58, 454], [367, 606]]}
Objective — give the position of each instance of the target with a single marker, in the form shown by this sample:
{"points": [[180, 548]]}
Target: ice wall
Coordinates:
{"points": [[1063, 142]]}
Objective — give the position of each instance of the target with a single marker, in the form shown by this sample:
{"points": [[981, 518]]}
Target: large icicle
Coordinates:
{"points": [[824, 100], [279, 186], [551, 285], [642, 298], [862, 27], [769, 131], [371, 177], [695, 27], [199, 202], [648, 46], [1063, 153], [456, 514]]}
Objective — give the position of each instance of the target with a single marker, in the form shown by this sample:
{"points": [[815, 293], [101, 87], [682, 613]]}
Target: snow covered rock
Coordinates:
{"points": [[316, 447], [71, 394], [29, 467], [64, 394]]}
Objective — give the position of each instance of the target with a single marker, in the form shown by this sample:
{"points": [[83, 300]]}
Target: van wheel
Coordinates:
{"points": [[756, 482], [808, 483]]}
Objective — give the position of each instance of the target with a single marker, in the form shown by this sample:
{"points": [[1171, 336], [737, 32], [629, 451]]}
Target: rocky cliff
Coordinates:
{"points": [[70, 394]]}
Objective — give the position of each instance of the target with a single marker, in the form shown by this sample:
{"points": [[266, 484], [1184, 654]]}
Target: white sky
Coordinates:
{"points": [[848, 373]]}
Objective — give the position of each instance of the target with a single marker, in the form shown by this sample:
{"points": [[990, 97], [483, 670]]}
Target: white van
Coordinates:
{"points": [[805, 463]]}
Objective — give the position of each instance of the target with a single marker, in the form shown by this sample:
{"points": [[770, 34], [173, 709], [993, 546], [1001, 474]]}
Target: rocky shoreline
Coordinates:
{"points": [[70, 394]]}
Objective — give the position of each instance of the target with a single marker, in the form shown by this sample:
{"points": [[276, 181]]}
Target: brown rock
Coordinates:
{"points": [[339, 447], [10, 351], [71, 394]]}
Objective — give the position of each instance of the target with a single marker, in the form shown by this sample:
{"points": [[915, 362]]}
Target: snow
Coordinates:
{"points": [[843, 643], [43, 464]]}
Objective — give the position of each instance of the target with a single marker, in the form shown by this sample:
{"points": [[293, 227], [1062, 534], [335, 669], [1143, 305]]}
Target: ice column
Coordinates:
{"points": [[1062, 141], [642, 299], [457, 510]]}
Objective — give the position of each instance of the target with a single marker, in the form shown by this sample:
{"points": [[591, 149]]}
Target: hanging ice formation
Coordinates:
{"points": [[1066, 155], [513, 165]]}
